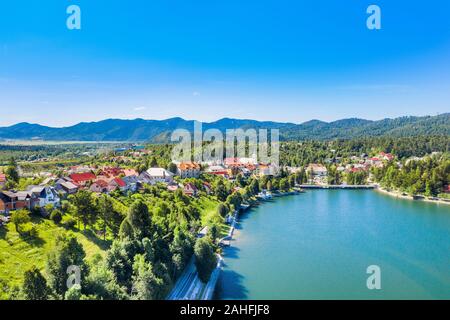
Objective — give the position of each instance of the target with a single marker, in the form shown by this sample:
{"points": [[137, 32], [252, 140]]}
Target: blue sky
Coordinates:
{"points": [[206, 59]]}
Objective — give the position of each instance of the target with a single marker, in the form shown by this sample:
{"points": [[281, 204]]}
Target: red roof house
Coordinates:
{"points": [[117, 183], [82, 178], [111, 172]]}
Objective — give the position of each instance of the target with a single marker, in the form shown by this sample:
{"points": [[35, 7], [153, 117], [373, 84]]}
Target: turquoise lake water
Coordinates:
{"points": [[318, 245]]}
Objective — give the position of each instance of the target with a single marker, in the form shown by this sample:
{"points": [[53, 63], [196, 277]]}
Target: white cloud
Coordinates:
{"points": [[195, 93], [139, 108]]}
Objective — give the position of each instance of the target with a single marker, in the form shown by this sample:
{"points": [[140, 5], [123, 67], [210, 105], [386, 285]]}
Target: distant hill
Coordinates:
{"points": [[141, 130], [357, 128]]}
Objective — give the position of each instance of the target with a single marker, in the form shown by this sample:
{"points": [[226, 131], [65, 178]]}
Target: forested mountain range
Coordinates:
{"points": [[160, 130]]}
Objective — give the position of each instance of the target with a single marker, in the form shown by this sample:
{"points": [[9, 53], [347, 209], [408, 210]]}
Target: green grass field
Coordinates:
{"points": [[208, 208], [18, 253]]}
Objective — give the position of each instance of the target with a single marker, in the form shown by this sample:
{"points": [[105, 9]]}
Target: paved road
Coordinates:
{"points": [[189, 286], [183, 288]]}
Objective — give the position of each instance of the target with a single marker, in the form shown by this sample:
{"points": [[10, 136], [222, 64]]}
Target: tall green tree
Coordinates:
{"points": [[140, 220], [119, 260], [222, 210], [181, 249], [107, 214], [172, 167], [220, 190], [240, 180], [102, 284], [126, 230], [11, 171], [84, 207], [67, 252], [205, 258], [146, 285], [153, 162], [35, 285]]}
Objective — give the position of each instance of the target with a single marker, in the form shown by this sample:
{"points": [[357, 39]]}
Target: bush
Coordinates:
{"points": [[65, 206], [33, 233], [49, 208], [56, 216], [36, 211], [69, 222], [74, 293], [29, 230], [20, 218]]}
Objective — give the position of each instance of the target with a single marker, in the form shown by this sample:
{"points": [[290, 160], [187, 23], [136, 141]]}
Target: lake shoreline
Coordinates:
{"points": [[399, 195]]}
